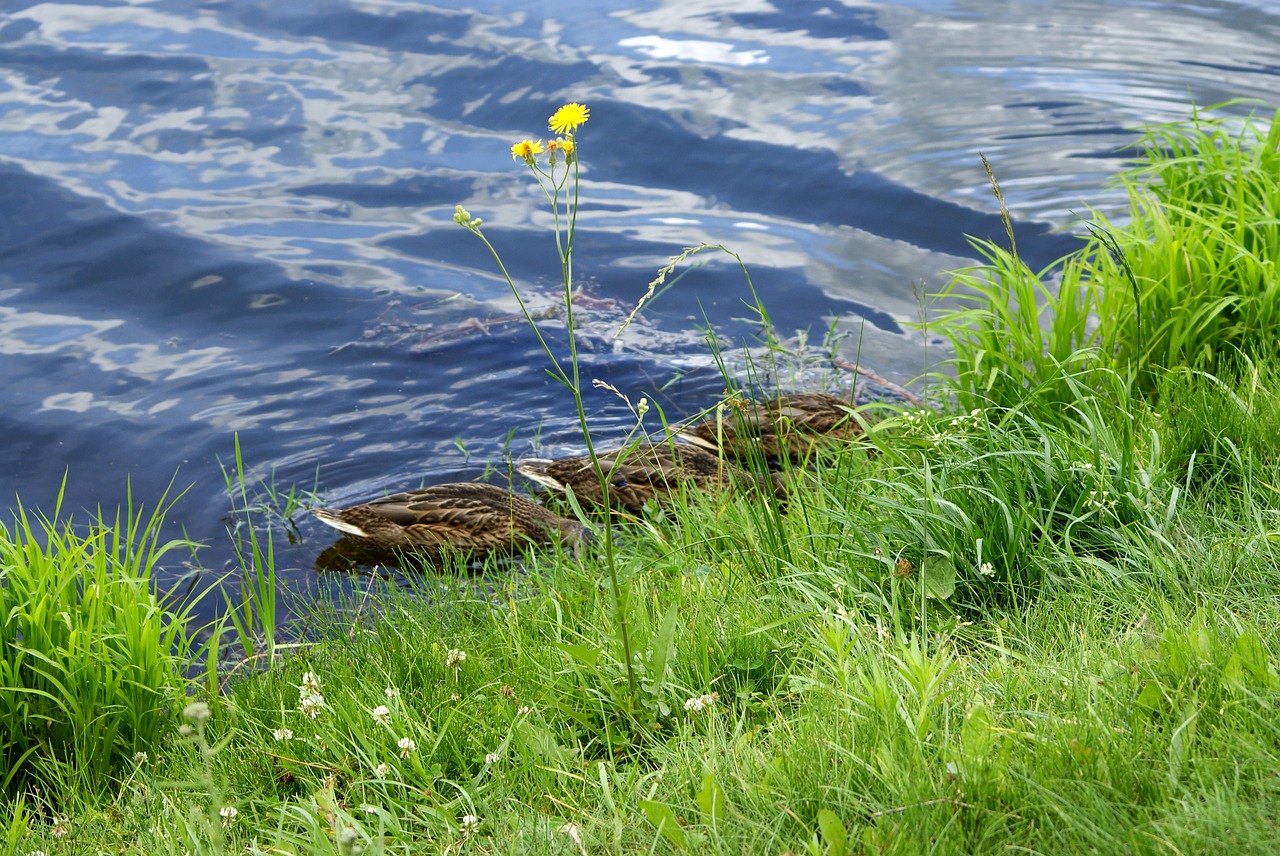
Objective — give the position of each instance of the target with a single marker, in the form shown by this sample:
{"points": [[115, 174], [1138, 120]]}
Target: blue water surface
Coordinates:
{"points": [[234, 218]]}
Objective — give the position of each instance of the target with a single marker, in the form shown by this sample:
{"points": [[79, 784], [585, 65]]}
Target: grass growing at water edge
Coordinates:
{"points": [[1049, 624]]}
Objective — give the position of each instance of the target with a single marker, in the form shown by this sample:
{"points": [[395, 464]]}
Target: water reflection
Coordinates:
{"points": [[238, 217]]}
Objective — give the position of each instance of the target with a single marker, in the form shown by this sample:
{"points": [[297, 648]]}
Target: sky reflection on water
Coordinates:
{"points": [[237, 216]]}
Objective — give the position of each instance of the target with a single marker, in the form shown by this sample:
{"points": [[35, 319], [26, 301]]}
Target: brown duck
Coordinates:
{"points": [[650, 471], [786, 426], [470, 518]]}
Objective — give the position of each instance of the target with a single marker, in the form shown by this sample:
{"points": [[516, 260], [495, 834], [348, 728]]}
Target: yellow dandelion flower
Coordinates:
{"points": [[567, 147], [567, 119], [526, 149]]}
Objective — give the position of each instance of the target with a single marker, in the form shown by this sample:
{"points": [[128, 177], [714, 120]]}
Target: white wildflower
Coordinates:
{"points": [[407, 746], [282, 734], [381, 714], [310, 684], [698, 704], [455, 658], [391, 692], [311, 705], [228, 814], [470, 823], [987, 569]]}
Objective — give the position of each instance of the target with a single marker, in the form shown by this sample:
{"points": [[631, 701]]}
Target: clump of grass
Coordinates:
{"points": [[1199, 250], [93, 658], [1190, 277]]}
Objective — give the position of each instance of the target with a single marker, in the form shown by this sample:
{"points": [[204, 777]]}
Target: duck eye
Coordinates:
{"points": [[620, 483]]}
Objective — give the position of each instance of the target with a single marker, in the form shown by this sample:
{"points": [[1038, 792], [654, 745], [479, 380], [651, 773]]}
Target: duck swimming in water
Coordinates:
{"points": [[788, 426], [637, 475], [469, 518]]}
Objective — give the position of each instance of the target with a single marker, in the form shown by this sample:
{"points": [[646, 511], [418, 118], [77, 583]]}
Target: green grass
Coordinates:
{"points": [[93, 660], [1043, 618]]}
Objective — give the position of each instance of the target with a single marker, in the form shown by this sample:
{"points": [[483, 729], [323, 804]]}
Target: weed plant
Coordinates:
{"points": [[1043, 618]]}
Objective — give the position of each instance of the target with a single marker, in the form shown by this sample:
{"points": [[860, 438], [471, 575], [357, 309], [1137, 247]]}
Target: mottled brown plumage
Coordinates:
{"points": [[466, 517], [786, 426], [651, 471]]}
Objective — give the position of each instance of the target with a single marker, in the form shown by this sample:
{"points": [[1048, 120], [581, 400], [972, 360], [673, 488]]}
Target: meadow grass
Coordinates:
{"points": [[1039, 618]]}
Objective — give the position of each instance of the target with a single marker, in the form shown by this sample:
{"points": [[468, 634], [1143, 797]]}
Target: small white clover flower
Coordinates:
{"points": [[61, 827], [407, 746], [310, 684], [698, 704], [141, 757], [228, 814], [491, 758], [391, 692], [369, 809], [470, 823], [311, 705], [987, 569], [454, 659], [381, 714], [382, 771], [524, 710], [282, 734]]}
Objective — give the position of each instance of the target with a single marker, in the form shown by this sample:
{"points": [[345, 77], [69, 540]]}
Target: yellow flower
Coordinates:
{"points": [[567, 147], [526, 149], [567, 119]]}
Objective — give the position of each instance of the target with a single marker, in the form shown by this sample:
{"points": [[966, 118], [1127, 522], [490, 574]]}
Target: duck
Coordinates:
{"points": [[643, 473], [469, 518], [786, 426]]}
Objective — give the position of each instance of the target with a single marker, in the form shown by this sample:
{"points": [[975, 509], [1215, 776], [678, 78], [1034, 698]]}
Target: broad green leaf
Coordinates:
{"points": [[833, 832], [585, 654], [664, 643], [977, 737], [661, 816], [711, 799], [1151, 696], [543, 742], [939, 574]]}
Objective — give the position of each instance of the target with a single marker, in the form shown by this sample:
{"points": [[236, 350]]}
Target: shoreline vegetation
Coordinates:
{"points": [[1042, 616]]}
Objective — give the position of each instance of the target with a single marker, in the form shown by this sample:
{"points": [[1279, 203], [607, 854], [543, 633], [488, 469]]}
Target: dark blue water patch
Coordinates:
{"points": [[286, 135], [335, 22], [13, 31], [82, 253], [476, 93], [1048, 106], [843, 87], [820, 20], [808, 186], [117, 79], [1074, 131], [418, 191], [1248, 68]]}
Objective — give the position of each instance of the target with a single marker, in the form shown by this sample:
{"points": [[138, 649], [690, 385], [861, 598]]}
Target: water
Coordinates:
{"points": [[235, 218]]}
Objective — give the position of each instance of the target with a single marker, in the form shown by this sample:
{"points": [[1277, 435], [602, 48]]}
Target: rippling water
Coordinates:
{"points": [[236, 216]]}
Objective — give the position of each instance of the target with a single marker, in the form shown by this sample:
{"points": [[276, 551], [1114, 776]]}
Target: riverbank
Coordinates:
{"points": [[1041, 616]]}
